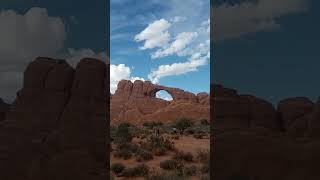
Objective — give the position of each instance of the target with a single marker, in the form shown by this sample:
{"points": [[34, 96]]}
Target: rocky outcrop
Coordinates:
{"points": [[252, 139], [137, 103], [57, 126]]}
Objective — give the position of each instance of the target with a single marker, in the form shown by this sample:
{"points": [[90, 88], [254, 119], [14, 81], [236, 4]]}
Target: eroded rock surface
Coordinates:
{"points": [[251, 139], [57, 126], [137, 103]]}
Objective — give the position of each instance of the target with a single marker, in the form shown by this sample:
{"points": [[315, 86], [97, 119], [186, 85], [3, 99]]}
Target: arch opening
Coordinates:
{"points": [[164, 95]]}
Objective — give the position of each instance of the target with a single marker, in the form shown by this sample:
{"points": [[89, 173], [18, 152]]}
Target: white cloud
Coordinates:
{"points": [[179, 68], [155, 35], [118, 73], [75, 55], [23, 38], [181, 41], [233, 21]]}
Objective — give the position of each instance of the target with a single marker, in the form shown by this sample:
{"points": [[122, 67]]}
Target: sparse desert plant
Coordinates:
{"points": [[182, 124], [139, 170], [129, 146], [205, 177], [153, 143], [167, 175], [204, 122], [122, 134], [170, 164], [160, 151], [190, 170], [143, 155], [205, 168], [117, 168], [123, 153], [203, 156], [180, 155]]}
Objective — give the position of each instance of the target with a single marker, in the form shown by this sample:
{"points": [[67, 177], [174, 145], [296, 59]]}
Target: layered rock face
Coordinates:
{"points": [[137, 103], [252, 139], [57, 126]]}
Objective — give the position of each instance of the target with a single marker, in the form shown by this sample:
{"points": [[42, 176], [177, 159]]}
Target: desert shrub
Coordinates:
{"points": [[180, 155], [166, 175], [123, 153], [139, 170], [122, 134], [203, 156], [204, 122], [117, 168], [190, 171], [143, 155], [129, 146], [205, 168], [182, 124], [205, 177], [160, 151], [189, 130], [170, 164], [198, 135], [153, 143]]}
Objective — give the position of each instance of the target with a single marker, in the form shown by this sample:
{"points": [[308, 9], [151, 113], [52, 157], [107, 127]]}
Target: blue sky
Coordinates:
{"points": [[272, 50], [69, 30], [166, 42]]}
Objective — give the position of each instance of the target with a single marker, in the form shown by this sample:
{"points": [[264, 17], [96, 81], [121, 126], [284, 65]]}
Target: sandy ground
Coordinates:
{"points": [[184, 143]]}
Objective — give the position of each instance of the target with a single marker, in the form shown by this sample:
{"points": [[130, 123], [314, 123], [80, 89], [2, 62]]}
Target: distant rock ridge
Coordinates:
{"points": [[137, 103], [252, 139], [296, 116], [57, 126]]}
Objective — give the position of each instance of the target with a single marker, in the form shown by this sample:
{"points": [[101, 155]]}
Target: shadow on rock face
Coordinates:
{"points": [[57, 127]]}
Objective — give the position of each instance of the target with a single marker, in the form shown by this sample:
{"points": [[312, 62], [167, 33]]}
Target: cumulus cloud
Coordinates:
{"points": [[180, 68], [155, 35], [24, 37], [181, 41], [235, 20], [75, 55], [118, 73]]}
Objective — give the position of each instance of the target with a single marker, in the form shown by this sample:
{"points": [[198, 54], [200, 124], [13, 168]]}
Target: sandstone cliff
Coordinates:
{"points": [[137, 103], [57, 126], [251, 139]]}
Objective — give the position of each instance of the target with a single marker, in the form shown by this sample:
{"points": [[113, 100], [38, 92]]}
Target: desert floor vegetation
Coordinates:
{"points": [[157, 151]]}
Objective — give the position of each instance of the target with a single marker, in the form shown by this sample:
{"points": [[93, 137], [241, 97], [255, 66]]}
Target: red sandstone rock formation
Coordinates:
{"points": [[137, 103], [253, 140], [57, 126]]}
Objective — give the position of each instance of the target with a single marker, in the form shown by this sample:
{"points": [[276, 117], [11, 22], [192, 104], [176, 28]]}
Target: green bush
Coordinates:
{"points": [[154, 143], [170, 164], [182, 124], [203, 156], [143, 155], [204, 122], [129, 146], [190, 171], [167, 175], [117, 168], [122, 134], [123, 153], [139, 170], [180, 155], [160, 151]]}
